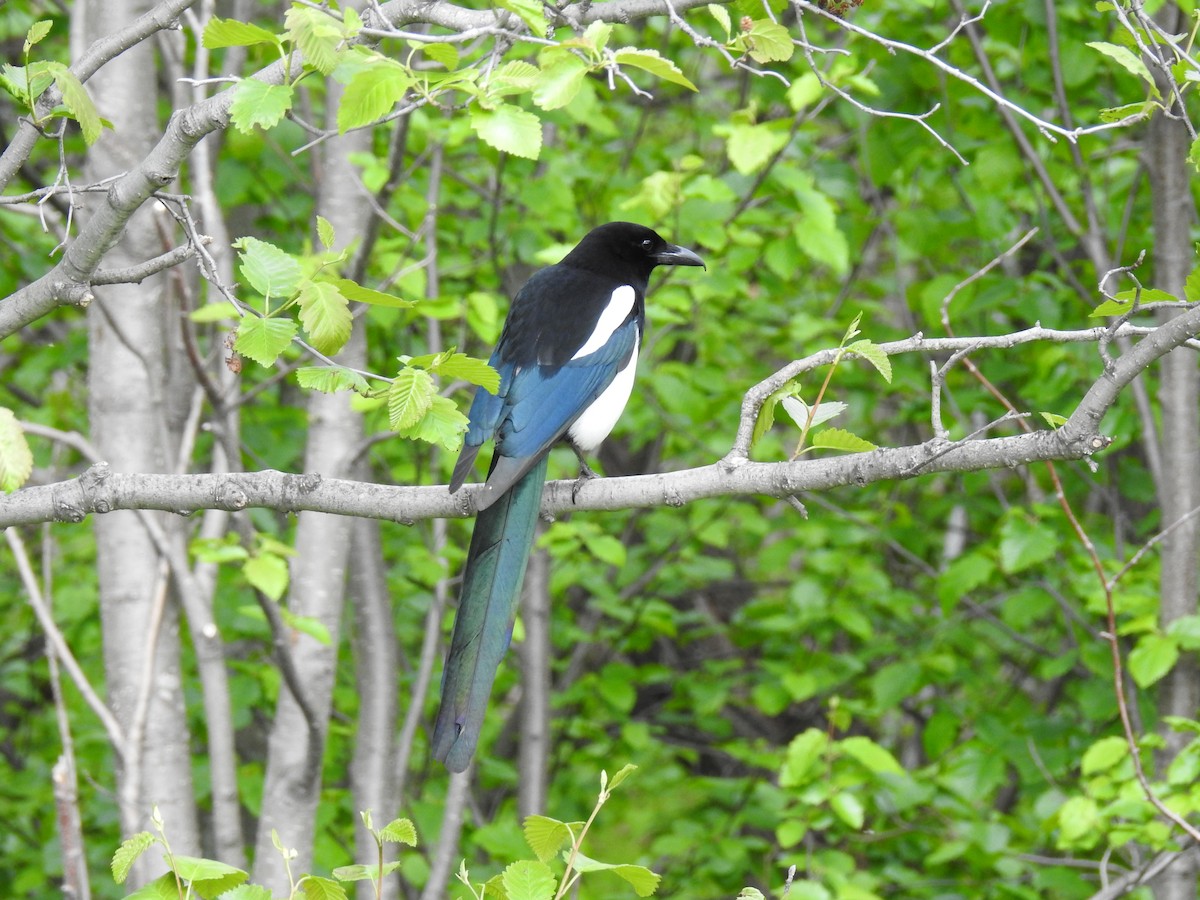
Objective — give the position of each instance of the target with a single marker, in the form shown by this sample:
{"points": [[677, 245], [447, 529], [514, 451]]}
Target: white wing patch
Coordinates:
{"points": [[614, 315], [593, 426]]}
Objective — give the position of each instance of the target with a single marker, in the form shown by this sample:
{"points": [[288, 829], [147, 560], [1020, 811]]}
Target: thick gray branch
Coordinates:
{"points": [[101, 490]]}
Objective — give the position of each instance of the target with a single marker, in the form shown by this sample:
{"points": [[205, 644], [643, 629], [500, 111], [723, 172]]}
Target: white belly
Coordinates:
{"points": [[590, 429]]}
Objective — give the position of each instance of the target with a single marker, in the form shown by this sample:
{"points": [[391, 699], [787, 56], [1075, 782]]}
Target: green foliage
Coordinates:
{"points": [[27, 83], [16, 459]]}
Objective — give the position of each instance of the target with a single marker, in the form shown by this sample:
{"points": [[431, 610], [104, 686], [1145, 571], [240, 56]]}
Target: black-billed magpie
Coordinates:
{"points": [[566, 358]]}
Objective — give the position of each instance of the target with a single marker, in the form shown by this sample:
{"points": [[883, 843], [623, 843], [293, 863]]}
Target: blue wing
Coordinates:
{"points": [[535, 406]]}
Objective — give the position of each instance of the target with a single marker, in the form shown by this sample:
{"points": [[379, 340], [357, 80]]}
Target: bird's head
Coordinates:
{"points": [[625, 245]]}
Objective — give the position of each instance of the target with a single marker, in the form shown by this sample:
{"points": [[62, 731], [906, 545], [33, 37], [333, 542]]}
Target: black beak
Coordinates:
{"points": [[677, 256]]}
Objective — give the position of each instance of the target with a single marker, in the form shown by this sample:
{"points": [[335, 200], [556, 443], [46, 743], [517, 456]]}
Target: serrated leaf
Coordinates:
{"points": [[847, 807], [750, 147], [528, 880], [268, 573], [800, 411], [1153, 657], [1025, 542], [231, 33], [443, 425], [400, 831], [529, 11], [545, 836], [510, 129], [1127, 111], [271, 271], [315, 888], [1111, 308], [325, 233], [643, 881], [840, 439], [1128, 60], [769, 42], [165, 887], [409, 398], [317, 35], [325, 315], [469, 369], [127, 854], [257, 104], [445, 54], [248, 892], [352, 290], [1054, 420], [208, 878], [874, 354], [331, 379], [37, 32], [262, 340], [560, 81], [653, 62], [1077, 818], [595, 38], [624, 772], [371, 94], [16, 459], [515, 76], [77, 100]]}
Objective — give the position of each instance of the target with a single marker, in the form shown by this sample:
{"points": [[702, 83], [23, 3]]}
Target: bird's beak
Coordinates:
{"points": [[677, 256]]}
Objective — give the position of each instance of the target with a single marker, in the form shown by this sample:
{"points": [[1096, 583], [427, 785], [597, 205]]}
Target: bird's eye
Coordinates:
{"points": [[647, 243]]}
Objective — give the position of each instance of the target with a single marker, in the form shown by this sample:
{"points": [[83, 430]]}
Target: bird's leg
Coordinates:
{"points": [[586, 473]]}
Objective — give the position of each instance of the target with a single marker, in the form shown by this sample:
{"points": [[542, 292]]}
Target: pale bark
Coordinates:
{"points": [[129, 410]]}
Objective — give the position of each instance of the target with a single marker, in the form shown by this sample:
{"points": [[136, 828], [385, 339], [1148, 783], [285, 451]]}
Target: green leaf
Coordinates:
{"points": [[848, 808], [211, 313], [400, 831], [315, 888], [443, 425], [769, 41], [325, 232], [16, 459], [644, 881], [268, 573], [356, 292], [445, 54], [560, 81], [468, 368], [514, 77], [529, 11], [410, 397], [314, 628], [1104, 754], [231, 33], [803, 753], [22, 82], [1142, 108], [721, 14], [1128, 60], [77, 100], [799, 411], [165, 887], [545, 836], [871, 755], [127, 854], [624, 772], [207, 876], [1111, 308], [1153, 657], [364, 873], [372, 93], [258, 104], [325, 315], [245, 892], [331, 379], [653, 62], [37, 32], [874, 354], [262, 340], [1025, 542], [272, 272], [510, 129], [750, 147], [529, 880], [1076, 818], [318, 36], [840, 439], [1054, 420]]}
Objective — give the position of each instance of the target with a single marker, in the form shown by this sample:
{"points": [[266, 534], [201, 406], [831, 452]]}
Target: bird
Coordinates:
{"points": [[566, 358]]}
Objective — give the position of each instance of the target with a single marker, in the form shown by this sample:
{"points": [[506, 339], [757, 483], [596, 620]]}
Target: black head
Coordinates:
{"points": [[627, 251]]}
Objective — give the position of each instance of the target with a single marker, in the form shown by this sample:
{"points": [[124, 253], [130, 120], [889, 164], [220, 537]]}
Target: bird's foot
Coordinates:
{"points": [[586, 474]]}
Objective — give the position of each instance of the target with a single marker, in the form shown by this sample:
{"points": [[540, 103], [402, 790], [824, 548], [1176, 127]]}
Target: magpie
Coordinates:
{"points": [[566, 358]]}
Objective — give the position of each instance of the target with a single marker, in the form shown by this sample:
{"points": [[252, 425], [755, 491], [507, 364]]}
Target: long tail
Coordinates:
{"points": [[487, 608]]}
